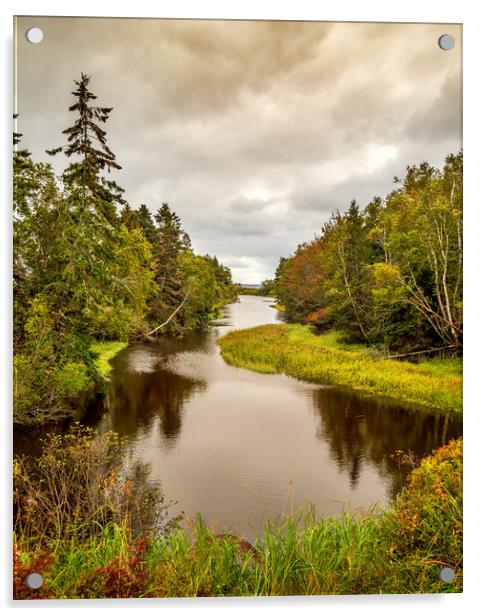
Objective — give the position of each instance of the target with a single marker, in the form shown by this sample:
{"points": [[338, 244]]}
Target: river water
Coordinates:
{"points": [[241, 447]]}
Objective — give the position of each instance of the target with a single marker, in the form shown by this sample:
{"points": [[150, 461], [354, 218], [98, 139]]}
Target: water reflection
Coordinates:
{"points": [[142, 390], [241, 447], [360, 429]]}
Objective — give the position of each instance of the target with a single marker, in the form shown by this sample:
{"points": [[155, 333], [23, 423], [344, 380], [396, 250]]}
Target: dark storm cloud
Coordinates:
{"points": [[442, 118], [253, 131]]}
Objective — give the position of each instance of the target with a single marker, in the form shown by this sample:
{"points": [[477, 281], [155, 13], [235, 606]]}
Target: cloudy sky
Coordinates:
{"points": [[252, 131]]}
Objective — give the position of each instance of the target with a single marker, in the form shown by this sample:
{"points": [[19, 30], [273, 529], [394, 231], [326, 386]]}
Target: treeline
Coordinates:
{"points": [[89, 267], [266, 288], [390, 274]]}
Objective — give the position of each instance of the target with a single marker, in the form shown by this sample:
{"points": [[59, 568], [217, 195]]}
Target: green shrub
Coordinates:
{"points": [[428, 513], [79, 484], [70, 378]]}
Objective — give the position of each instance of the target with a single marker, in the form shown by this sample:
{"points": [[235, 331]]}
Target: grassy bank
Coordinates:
{"points": [[104, 352], [400, 550], [294, 350]]}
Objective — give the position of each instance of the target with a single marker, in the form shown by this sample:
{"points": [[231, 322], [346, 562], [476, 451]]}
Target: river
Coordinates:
{"points": [[241, 447]]}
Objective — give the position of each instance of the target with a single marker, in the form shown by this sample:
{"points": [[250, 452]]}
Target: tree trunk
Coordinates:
{"points": [[148, 335]]}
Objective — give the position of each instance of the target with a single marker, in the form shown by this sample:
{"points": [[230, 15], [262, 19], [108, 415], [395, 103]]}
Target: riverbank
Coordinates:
{"points": [[104, 352], [398, 550], [295, 351]]}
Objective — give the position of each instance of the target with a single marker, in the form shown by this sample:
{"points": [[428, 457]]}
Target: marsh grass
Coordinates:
{"points": [[294, 350], [399, 550], [104, 352]]}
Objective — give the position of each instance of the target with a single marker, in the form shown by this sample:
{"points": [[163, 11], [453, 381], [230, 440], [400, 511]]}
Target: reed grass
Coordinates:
{"points": [[104, 352], [398, 550], [294, 350]]}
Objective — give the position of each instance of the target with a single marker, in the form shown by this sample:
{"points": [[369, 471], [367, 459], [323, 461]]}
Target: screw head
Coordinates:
{"points": [[447, 574], [34, 581], [34, 35], [446, 42]]}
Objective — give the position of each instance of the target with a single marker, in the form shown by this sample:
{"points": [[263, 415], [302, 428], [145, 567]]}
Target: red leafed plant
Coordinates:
{"points": [[119, 578], [317, 317], [39, 564]]}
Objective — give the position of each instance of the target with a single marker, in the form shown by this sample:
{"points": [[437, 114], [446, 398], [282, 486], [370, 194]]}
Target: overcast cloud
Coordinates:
{"points": [[252, 131]]}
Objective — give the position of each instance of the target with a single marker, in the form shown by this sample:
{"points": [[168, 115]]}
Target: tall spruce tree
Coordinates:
{"points": [[170, 242], [146, 224], [171, 236], [87, 141], [88, 288]]}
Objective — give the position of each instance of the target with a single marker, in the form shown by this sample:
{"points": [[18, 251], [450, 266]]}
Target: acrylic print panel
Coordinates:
{"points": [[237, 337]]}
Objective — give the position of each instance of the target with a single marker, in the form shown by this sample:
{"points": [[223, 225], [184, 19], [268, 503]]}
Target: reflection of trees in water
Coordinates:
{"points": [[136, 399], [191, 341], [365, 429], [133, 399]]}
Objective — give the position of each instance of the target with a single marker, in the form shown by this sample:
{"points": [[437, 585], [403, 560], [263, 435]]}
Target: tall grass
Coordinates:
{"points": [[80, 484], [294, 350], [105, 351], [400, 550]]}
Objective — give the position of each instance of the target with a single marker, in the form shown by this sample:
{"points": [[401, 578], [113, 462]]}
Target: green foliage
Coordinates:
{"points": [[391, 274], [207, 285], [428, 513], [170, 242], [199, 286], [399, 550], [267, 287], [27, 390], [84, 272], [51, 370], [192, 288], [294, 350], [134, 280], [87, 141], [70, 378], [143, 220]]}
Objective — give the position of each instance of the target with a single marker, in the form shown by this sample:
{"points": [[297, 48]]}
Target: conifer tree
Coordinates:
{"points": [[171, 236], [24, 185], [88, 238], [128, 217], [23, 171], [170, 242], [82, 273], [146, 224], [87, 141]]}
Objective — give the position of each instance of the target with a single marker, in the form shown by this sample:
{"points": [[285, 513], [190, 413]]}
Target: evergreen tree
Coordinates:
{"points": [[146, 224], [171, 240], [88, 285], [128, 217], [87, 141], [24, 183], [82, 273], [24, 186]]}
